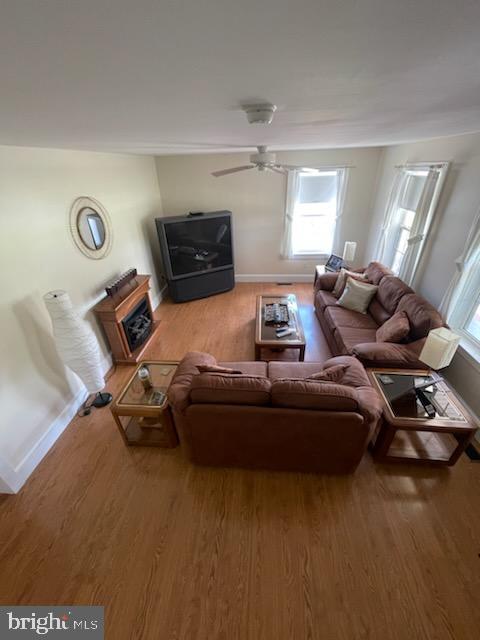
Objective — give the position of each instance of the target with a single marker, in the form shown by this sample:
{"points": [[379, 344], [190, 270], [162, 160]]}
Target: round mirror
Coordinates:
{"points": [[90, 227]]}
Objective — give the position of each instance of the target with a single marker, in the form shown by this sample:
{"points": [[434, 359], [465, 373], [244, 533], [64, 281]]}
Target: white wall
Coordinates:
{"points": [[457, 208], [37, 254], [257, 201]]}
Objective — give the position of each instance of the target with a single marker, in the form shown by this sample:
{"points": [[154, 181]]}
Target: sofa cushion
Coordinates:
{"points": [[422, 316], [286, 369], [308, 394], [348, 337], [342, 280], [324, 299], [390, 291], [179, 390], [376, 271], [326, 281], [357, 295], [396, 329], [340, 317], [249, 368], [217, 388], [329, 374], [215, 368], [378, 313], [354, 375]]}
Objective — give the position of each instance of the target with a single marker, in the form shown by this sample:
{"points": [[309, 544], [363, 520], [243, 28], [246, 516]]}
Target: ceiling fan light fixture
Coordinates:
{"points": [[260, 113]]}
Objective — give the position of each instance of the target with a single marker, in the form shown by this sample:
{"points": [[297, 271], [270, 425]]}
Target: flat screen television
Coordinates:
{"points": [[197, 245]]}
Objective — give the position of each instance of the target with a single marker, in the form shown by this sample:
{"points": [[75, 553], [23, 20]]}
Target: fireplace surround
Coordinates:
{"points": [[128, 320]]}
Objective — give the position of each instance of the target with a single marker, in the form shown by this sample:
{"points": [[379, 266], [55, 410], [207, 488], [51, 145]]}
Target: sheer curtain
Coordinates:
{"points": [[293, 186], [399, 184], [457, 301], [408, 217], [420, 227], [342, 182]]}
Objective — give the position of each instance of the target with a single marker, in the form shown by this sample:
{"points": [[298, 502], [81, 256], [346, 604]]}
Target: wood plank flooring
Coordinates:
{"points": [[179, 552]]}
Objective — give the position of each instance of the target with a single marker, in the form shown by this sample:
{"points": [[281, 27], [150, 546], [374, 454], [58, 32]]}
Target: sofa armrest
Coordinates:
{"points": [[389, 354], [179, 390], [326, 281]]}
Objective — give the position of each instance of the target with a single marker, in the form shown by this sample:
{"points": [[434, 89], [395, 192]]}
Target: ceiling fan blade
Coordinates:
{"points": [[225, 172], [278, 169]]}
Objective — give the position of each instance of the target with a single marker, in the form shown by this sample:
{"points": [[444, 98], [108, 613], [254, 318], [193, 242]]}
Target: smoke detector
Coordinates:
{"points": [[260, 113]]}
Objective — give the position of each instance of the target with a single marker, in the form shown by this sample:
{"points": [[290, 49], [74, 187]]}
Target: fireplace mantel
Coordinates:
{"points": [[112, 311]]}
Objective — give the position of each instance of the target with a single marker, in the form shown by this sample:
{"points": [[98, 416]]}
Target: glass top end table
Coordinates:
{"points": [[142, 414], [408, 433]]}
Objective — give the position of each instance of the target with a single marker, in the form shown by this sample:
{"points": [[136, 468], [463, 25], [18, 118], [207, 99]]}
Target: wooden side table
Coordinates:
{"points": [[407, 434], [144, 417]]}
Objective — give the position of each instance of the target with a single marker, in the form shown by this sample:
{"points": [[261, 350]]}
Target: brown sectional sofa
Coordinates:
{"points": [[352, 333], [270, 417]]}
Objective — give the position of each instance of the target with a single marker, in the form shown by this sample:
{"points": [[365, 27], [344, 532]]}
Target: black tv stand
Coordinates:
{"points": [[197, 253], [203, 285]]}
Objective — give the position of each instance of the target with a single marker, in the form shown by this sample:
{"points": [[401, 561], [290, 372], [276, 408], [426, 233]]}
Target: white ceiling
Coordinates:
{"points": [[154, 76]]}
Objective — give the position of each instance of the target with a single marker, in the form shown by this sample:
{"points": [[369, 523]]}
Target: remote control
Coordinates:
{"points": [[427, 405], [281, 333]]}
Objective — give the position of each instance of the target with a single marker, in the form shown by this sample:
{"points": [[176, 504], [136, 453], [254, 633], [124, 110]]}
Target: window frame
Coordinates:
{"points": [[340, 196], [428, 230]]}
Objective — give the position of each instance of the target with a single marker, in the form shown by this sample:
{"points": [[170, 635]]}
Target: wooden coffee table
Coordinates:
{"points": [[144, 417], [265, 336], [407, 434]]}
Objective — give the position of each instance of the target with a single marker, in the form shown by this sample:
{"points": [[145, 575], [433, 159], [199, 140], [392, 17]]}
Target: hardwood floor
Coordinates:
{"points": [[179, 552]]}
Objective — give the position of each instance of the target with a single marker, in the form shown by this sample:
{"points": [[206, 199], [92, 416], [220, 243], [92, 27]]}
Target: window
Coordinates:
{"points": [[472, 326], [461, 303], [409, 217], [314, 204], [404, 229]]}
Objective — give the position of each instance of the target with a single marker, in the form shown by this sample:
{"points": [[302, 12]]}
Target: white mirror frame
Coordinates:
{"points": [[77, 206]]}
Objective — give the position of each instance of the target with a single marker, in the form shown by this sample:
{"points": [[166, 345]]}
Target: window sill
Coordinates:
{"points": [[309, 256]]}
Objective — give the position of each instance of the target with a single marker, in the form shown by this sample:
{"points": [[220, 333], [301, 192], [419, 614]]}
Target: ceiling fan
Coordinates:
{"points": [[263, 160]]}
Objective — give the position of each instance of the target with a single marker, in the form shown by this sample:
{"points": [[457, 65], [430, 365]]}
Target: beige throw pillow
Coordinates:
{"points": [[342, 280], [357, 295]]}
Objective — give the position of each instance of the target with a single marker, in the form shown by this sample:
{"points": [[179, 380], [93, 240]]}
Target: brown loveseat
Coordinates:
{"points": [[270, 417], [352, 333]]}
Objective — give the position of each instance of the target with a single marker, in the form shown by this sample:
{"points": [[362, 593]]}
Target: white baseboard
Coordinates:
{"points": [[12, 479], [157, 298], [273, 277]]}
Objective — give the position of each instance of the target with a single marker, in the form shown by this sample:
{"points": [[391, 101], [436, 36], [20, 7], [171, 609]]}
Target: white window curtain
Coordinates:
{"points": [[459, 298], [342, 183], [298, 191], [409, 216], [421, 223], [293, 187]]}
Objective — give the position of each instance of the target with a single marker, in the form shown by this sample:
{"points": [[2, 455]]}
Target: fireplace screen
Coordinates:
{"points": [[138, 325]]}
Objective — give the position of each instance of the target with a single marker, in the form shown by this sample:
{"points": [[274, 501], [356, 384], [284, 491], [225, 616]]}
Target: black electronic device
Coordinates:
{"points": [[197, 254], [334, 263], [427, 405]]}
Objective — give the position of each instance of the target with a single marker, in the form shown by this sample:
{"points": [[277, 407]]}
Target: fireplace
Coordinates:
{"points": [[137, 325], [128, 320]]}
